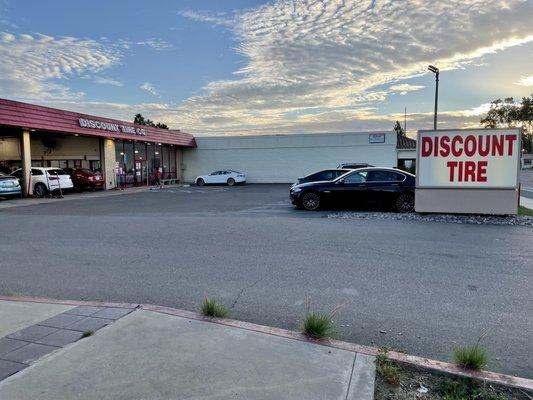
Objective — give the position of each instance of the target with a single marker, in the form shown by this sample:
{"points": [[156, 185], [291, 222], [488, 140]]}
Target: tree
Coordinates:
{"points": [[507, 113], [398, 129], [140, 120]]}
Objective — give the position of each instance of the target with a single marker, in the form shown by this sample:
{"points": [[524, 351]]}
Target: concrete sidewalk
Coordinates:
{"points": [[526, 202], [152, 355]]}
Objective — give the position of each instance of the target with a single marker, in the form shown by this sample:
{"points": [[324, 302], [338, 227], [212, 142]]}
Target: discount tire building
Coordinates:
{"points": [[125, 153], [129, 154]]}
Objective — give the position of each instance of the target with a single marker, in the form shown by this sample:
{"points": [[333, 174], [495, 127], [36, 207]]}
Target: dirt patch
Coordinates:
{"points": [[409, 383]]}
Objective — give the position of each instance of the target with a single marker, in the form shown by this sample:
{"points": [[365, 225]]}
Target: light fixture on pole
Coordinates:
{"points": [[435, 70]]}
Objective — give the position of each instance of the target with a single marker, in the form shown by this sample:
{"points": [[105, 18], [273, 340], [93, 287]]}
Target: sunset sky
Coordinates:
{"points": [[250, 67]]}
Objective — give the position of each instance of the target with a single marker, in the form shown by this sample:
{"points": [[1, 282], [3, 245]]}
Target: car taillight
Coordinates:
{"points": [[53, 178]]}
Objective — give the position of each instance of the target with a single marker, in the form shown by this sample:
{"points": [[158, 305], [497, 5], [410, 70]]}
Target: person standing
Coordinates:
{"points": [[157, 178]]}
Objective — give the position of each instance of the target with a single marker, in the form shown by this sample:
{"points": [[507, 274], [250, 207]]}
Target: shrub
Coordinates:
{"points": [[386, 369], [87, 334], [471, 357], [210, 308]]}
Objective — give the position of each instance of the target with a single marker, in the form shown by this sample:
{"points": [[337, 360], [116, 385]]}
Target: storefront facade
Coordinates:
{"points": [[126, 154]]}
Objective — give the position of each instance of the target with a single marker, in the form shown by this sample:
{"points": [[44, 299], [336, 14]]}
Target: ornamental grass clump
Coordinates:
{"points": [[318, 325], [471, 357], [210, 308]]}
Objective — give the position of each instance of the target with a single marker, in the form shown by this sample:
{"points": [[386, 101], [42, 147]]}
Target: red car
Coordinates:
{"points": [[83, 178]]}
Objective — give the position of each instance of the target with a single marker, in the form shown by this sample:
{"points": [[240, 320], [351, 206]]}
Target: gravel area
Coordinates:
{"points": [[414, 383], [519, 220]]}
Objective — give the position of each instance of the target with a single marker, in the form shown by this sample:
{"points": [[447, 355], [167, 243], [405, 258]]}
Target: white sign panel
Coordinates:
{"points": [[481, 158], [376, 138]]}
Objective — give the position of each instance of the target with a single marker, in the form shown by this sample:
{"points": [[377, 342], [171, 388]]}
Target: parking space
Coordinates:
{"points": [[526, 180], [416, 285]]}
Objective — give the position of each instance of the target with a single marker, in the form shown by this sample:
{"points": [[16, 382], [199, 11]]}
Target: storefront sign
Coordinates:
{"points": [[107, 126], [483, 158], [376, 138]]}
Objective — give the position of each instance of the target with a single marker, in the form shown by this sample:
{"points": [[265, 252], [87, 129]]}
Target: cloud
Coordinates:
{"points": [[221, 18], [525, 81], [328, 57], [33, 66], [156, 44], [149, 88], [363, 119], [107, 81], [404, 88]]}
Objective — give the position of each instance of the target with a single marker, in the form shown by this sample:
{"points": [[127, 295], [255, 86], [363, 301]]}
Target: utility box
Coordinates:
{"points": [[472, 171]]}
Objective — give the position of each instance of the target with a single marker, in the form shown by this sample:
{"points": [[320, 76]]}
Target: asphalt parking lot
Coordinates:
{"points": [[420, 286]]}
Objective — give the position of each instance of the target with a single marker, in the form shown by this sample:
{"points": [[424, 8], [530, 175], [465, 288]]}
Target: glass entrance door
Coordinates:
{"points": [[140, 172]]}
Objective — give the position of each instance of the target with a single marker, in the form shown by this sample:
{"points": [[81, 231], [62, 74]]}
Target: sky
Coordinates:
{"points": [[237, 67]]}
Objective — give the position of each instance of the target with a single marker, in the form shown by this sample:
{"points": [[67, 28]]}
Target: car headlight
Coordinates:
{"points": [[296, 190]]}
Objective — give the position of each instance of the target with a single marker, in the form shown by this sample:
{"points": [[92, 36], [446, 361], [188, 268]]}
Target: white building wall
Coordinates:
{"points": [[284, 158]]}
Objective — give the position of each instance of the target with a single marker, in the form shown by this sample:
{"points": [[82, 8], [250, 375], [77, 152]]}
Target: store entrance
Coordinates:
{"points": [[141, 176]]}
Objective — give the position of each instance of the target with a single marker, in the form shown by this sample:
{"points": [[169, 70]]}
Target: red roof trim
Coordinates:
{"points": [[24, 115]]}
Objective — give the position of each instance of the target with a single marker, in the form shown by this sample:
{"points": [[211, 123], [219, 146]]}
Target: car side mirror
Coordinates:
{"points": [[340, 182]]}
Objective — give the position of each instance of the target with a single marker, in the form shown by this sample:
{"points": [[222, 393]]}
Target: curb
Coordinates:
{"points": [[427, 363]]}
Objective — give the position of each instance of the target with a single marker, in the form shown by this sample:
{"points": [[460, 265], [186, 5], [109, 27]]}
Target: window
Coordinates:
{"points": [[128, 157], [36, 171], [56, 172], [119, 153], [140, 151], [336, 174], [357, 177], [384, 176], [150, 156], [165, 158], [325, 175], [172, 162]]}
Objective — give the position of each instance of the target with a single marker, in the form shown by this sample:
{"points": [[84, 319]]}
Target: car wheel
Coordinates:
{"points": [[40, 190], [311, 201], [231, 182], [405, 203], [200, 182]]}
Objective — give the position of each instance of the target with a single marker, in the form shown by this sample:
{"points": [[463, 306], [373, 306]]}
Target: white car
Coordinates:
{"points": [[46, 180], [9, 186], [228, 177]]}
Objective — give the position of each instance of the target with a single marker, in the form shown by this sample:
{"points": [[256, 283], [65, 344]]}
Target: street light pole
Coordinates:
{"points": [[436, 71]]}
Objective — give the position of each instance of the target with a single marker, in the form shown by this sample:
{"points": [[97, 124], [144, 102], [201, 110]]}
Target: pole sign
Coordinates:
{"points": [[482, 158]]}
